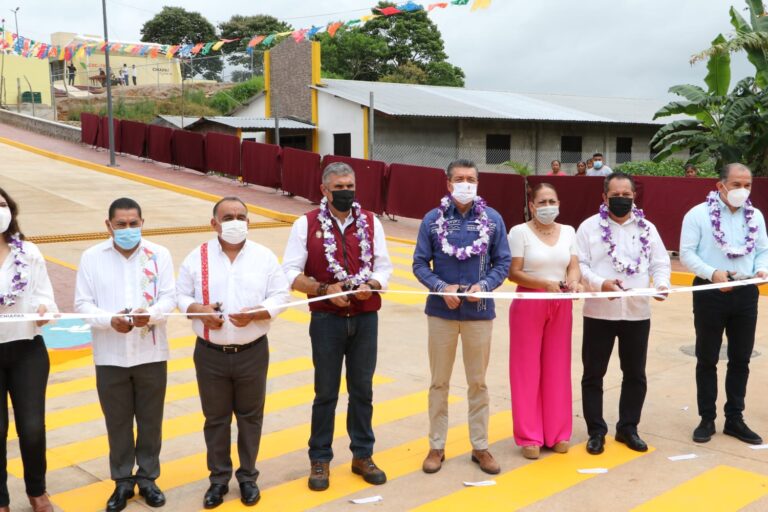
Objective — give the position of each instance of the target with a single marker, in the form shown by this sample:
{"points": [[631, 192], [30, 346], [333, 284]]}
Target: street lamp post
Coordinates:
{"points": [[16, 19], [111, 127]]}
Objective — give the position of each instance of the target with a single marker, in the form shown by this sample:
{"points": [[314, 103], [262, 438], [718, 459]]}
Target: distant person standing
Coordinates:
{"points": [[72, 72], [556, 171], [691, 171], [124, 74], [134, 73], [598, 166], [581, 169]]}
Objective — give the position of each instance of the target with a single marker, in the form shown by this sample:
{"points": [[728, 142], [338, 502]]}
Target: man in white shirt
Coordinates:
{"points": [[128, 275], [236, 287], [598, 166], [341, 247], [618, 250]]}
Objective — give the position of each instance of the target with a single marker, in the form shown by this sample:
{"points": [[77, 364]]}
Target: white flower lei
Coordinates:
{"points": [[329, 242], [20, 278]]}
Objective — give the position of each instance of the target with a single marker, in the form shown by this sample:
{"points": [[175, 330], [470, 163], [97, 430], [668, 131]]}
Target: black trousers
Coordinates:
{"points": [[128, 394], [597, 345], [232, 383], [735, 313], [24, 368]]}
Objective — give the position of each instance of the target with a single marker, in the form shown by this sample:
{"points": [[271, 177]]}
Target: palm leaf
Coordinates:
{"points": [[718, 77], [678, 108], [674, 126], [692, 93], [738, 112]]}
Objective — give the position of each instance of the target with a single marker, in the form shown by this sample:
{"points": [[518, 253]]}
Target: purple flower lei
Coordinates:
{"points": [[19, 280], [752, 229], [479, 246], [329, 242], [606, 235]]}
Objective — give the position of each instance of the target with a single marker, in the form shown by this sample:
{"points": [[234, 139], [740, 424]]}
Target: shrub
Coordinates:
{"points": [[520, 168], [669, 167]]}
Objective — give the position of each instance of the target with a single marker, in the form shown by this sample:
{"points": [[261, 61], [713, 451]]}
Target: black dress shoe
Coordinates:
{"points": [[738, 429], [596, 444], [704, 432], [214, 496], [120, 497], [152, 495], [249, 493], [632, 440]]}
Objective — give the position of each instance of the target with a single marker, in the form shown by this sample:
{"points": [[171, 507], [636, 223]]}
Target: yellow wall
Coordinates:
{"points": [[36, 71], [150, 71]]}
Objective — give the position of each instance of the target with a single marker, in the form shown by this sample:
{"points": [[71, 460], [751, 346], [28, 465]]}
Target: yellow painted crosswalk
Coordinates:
{"points": [[176, 473], [538, 480], [721, 489]]}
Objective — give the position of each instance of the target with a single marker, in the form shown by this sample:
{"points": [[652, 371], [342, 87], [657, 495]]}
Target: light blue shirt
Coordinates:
{"points": [[701, 254]]}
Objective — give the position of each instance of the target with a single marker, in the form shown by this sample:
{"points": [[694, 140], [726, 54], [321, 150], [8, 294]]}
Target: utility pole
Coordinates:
{"points": [[111, 127], [16, 19], [2, 71]]}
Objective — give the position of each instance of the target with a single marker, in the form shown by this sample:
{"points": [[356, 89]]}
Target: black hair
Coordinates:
{"points": [[618, 175], [540, 186], [689, 166], [224, 200], [460, 163], [597, 154], [727, 168], [13, 227], [123, 203]]}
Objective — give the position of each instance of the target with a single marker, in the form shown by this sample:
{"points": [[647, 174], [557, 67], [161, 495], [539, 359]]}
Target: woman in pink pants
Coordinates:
{"points": [[543, 260]]}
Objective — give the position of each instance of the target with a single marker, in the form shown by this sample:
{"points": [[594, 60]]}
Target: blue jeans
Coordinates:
{"points": [[334, 338]]}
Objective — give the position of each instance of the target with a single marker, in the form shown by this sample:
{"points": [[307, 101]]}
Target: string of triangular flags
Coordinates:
{"points": [[25, 47]]}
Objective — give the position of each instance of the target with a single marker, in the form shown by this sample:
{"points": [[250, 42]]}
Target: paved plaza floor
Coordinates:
{"points": [[65, 197]]}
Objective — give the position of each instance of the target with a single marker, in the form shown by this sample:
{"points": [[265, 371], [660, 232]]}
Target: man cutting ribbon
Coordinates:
{"points": [[619, 249], [724, 239], [462, 246]]}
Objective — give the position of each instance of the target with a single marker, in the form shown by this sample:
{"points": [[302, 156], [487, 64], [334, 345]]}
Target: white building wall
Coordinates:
{"points": [[336, 115], [257, 109]]}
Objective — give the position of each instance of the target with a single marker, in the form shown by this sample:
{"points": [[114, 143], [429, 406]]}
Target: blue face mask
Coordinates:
{"points": [[127, 238], [597, 164]]}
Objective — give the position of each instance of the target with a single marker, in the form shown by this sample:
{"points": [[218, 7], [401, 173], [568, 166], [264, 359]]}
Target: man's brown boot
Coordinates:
{"points": [[486, 461], [369, 471], [41, 503], [434, 461], [319, 475]]}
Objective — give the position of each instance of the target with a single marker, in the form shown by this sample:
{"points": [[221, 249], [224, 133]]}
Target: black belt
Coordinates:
{"points": [[229, 349]]}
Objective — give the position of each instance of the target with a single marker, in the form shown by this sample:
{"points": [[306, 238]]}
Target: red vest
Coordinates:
{"points": [[347, 254]]}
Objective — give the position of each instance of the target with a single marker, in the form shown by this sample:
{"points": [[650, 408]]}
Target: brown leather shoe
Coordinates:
{"points": [[369, 471], [485, 460], [40, 503], [319, 475], [434, 461]]}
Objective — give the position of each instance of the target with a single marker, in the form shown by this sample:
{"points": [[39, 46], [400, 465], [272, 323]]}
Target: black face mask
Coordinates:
{"points": [[343, 199], [620, 206]]}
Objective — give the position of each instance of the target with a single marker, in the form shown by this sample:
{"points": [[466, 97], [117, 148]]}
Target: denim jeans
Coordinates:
{"points": [[24, 368], [335, 338]]}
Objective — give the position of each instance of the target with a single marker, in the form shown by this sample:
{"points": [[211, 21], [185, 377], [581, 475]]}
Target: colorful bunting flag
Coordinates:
{"points": [[333, 28], [388, 11], [441, 5], [459, 2], [269, 39], [481, 4], [314, 30], [411, 6], [299, 35], [255, 41]]}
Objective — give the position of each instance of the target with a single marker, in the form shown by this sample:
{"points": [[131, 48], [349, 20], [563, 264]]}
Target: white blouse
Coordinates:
{"points": [[541, 260], [38, 291]]}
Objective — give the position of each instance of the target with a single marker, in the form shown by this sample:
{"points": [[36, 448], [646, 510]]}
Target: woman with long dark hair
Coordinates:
{"points": [[24, 288]]}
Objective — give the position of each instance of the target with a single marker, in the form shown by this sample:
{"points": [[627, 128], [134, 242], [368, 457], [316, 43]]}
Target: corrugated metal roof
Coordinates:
{"points": [[456, 102], [258, 123]]}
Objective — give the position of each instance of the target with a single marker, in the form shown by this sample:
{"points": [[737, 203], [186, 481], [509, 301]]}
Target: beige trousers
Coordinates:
{"points": [[476, 348]]}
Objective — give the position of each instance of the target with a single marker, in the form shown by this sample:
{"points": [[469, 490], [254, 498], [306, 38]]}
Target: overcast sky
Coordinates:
{"points": [[630, 48]]}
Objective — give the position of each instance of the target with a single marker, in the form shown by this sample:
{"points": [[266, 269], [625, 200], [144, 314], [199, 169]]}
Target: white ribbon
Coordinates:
{"points": [[635, 292]]}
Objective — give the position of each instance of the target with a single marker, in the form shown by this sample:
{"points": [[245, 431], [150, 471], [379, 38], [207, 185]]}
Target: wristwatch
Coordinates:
{"points": [[322, 289]]}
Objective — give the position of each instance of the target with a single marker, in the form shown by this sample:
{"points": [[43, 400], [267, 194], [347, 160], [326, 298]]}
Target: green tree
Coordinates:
{"points": [[722, 126], [354, 55], [176, 25], [407, 73], [388, 46], [244, 28]]}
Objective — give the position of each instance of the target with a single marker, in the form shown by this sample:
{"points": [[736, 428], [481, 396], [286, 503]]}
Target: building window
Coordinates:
{"points": [[497, 149], [342, 144], [623, 149], [294, 141], [570, 149]]}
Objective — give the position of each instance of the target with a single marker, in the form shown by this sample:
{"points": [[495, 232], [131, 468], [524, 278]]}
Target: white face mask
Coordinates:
{"points": [[464, 192], [5, 219], [737, 197], [234, 231], [547, 214]]}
